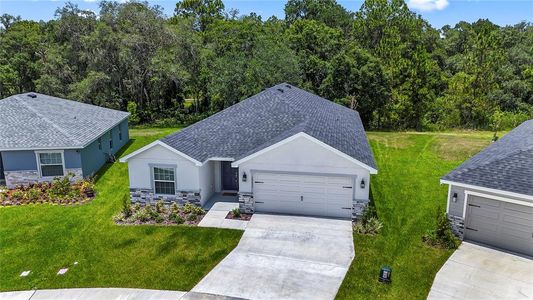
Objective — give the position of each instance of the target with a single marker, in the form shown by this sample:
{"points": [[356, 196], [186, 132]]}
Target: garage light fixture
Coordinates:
{"points": [[454, 197], [244, 177], [362, 183]]}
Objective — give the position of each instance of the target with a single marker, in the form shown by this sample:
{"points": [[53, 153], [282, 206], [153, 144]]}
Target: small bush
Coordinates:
{"points": [[442, 235], [175, 217], [192, 217], [189, 208], [160, 207], [34, 194], [60, 187], [236, 212], [151, 212], [141, 216], [371, 227], [174, 207], [17, 195], [159, 219], [369, 222], [136, 207], [126, 206]]}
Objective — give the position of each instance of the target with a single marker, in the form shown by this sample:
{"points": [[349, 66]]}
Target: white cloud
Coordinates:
{"points": [[428, 5]]}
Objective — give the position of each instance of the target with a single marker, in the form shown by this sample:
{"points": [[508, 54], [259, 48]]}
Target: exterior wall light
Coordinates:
{"points": [[362, 183], [454, 197], [244, 177]]}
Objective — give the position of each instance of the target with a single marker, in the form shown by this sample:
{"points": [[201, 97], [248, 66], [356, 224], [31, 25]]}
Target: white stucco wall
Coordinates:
{"points": [[206, 181], [187, 173], [304, 155], [456, 209]]}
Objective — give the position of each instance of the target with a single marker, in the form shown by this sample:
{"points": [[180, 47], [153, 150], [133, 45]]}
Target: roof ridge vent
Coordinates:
{"points": [[281, 90], [289, 86], [32, 95]]}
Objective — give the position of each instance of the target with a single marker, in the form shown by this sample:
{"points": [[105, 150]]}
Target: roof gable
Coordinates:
{"points": [[270, 117], [506, 165], [46, 122]]}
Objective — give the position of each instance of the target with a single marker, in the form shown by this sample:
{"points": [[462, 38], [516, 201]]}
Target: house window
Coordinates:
{"points": [[51, 164], [164, 182], [110, 140], [99, 143]]}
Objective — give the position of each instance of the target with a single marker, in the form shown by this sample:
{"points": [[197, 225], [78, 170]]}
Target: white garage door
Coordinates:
{"points": [[501, 224], [329, 196]]}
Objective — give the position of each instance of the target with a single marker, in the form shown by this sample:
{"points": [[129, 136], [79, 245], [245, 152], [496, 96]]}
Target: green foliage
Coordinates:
{"points": [[189, 208], [192, 217], [126, 206], [369, 222], [236, 212], [160, 207], [60, 187], [384, 60], [175, 217], [442, 235]]}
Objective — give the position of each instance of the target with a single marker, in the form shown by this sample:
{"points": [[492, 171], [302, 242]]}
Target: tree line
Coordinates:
{"points": [[383, 60]]}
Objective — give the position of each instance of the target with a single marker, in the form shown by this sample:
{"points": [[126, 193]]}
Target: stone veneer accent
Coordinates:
{"points": [[246, 203], [458, 226], [358, 208], [25, 177], [144, 196]]}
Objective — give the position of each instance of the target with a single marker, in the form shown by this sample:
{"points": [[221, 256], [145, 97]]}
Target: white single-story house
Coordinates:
{"points": [[283, 150], [490, 196]]}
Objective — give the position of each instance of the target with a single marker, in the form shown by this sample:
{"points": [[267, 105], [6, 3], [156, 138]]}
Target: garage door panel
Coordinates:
{"points": [[322, 195], [501, 224]]}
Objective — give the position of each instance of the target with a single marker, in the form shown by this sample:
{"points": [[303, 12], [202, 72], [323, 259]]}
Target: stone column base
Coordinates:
{"points": [[458, 226], [25, 177], [246, 203]]}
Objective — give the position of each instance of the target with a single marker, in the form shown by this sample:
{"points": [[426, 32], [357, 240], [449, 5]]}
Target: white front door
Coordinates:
{"points": [[316, 195], [500, 224]]}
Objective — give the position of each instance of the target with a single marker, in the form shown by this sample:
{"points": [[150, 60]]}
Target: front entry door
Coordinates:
{"points": [[230, 177]]}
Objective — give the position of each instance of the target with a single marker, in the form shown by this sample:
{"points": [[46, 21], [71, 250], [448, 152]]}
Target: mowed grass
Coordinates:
{"points": [[45, 238], [407, 194]]}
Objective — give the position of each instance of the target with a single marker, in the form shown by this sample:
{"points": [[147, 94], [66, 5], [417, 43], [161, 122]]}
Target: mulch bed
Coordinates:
{"points": [[243, 217]]}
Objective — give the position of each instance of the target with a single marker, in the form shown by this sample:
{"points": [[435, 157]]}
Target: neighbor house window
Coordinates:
{"points": [[99, 143], [110, 140], [164, 181], [51, 164], [119, 132]]}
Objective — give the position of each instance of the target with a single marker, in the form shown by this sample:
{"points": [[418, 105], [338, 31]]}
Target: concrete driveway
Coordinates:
{"points": [[284, 257], [477, 272]]}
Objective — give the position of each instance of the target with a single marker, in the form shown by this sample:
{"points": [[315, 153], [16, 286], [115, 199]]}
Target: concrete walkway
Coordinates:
{"points": [[284, 257], [93, 294], [477, 272], [216, 217]]}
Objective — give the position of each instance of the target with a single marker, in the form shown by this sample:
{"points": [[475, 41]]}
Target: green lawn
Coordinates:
{"points": [[45, 238], [407, 193]]}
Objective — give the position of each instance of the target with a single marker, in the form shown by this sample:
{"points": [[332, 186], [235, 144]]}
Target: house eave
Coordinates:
{"points": [[486, 189]]}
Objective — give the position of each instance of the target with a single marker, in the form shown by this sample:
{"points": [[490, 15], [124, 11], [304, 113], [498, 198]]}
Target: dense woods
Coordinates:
{"points": [[383, 60]]}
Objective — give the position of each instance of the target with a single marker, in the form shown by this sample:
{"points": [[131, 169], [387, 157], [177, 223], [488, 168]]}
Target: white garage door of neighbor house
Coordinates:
{"points": [[501, 224], [314, 195]]}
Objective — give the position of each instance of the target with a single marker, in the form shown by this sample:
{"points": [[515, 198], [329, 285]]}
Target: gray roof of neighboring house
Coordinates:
{"points": [[505, 165], [47, 122], [269, 117]]}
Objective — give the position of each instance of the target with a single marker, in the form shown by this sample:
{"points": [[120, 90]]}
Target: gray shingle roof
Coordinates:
{"points": [[46, 122], [269, 117], [505, 165]]}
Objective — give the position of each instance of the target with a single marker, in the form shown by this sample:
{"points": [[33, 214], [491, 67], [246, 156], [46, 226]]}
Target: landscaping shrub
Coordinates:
{"points": [[60, 187], [175, 208], [369, 222], [192, 217], [141, 215], [189, 208], [442, 235], [175, 217], [126, 206], [34, 194], [236, 212], [160, 207]]}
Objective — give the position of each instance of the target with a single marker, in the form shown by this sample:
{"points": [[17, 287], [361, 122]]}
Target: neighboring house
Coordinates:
{"points": [[283, 150], [490, 198], [43, 137]]}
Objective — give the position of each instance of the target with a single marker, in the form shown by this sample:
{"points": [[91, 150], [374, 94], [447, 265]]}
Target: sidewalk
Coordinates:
{"points": [[93, 294]]}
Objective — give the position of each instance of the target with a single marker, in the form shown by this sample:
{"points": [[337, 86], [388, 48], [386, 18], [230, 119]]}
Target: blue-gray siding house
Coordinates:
{"points": [[44, 137]]}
